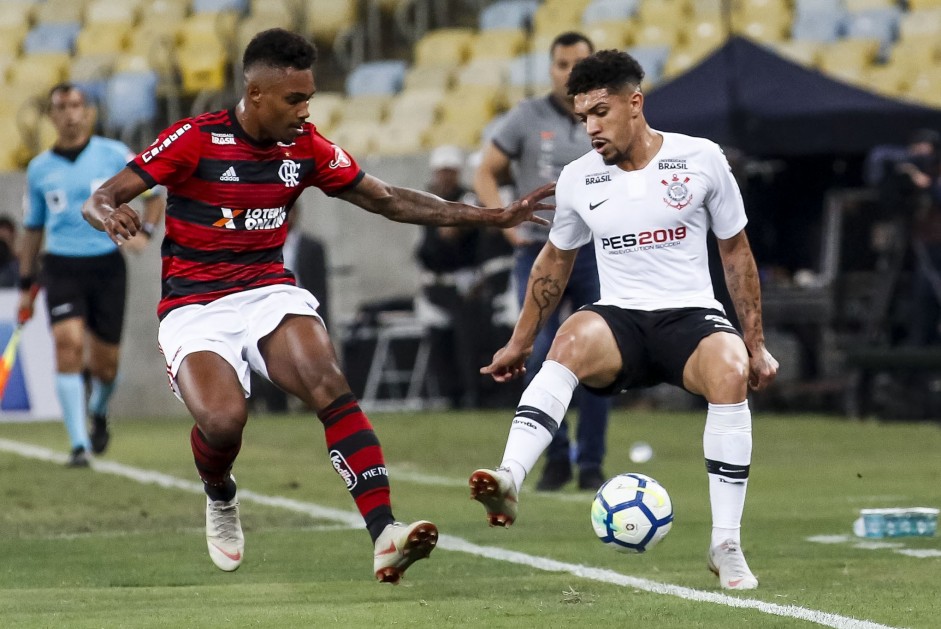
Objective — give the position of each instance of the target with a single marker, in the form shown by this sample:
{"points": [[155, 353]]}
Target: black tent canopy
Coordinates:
{"points": [[745, 95]]}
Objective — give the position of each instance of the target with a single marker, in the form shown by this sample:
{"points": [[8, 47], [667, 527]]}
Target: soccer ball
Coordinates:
{"points": [[631, 513]]}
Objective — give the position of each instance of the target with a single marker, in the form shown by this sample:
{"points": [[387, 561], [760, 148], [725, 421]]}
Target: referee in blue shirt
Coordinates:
{"points": [[83, 272]]}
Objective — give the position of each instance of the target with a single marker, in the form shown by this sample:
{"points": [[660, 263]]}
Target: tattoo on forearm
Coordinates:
{"points": [[745, 289], [546, 293]]}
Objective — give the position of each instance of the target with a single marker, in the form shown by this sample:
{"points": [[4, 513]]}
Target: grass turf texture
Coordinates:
{"points": [[85, 549]]}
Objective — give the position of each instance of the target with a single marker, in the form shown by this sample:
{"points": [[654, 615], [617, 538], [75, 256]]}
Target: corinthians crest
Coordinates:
{"points": [[678, 194]]}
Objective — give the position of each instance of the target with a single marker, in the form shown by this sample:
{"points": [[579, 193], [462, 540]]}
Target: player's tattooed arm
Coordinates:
{"points": [[546, 292], [405, 205], [741, 277]]}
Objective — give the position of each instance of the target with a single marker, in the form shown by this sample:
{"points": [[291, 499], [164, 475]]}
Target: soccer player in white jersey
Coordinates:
{"points": [[646, 199]]}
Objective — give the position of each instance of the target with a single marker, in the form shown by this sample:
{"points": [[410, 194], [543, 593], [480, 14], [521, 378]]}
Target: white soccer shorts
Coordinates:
{"points": [[231, 327]]}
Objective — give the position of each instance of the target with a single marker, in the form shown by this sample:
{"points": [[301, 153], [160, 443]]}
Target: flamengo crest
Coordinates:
{"points": [[678, 194]]}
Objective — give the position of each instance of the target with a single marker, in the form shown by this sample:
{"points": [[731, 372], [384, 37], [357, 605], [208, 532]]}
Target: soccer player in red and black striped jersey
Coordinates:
{"points": [[229, 306]]}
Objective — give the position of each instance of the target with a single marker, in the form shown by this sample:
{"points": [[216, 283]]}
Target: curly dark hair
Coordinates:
{"points": [[611, 69], [279, 48]]}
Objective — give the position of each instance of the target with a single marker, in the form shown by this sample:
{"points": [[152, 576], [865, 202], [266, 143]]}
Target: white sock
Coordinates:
{"points": [[727, 445], [541, 409]]}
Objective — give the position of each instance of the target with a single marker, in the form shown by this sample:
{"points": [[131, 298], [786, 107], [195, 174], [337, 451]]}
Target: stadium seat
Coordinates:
{"points": [[764, 31], [91, 72], [401, 137], [326, 19], [529, 70], [418, 106], [367, 109], [609, 10], [918, 5], [11, 39], [476, 103], [881, 24], [855, 6], [429, 76], [924, 86], [558, 17], [218, 6], [34, 74], [849, 59], [325, 109], [101, 38], [164, 12], [52, 37], [915, 53], [444, 46], [462, 134], [130, 101], [656, 34], [888, 79], [761, 9], [112, 12], [207, 29], [703, 35], [508, 14], [483, 73], [498, 43], [821, 26], [920, 23], [805, 52], [607, 34], [376, 78], [356, 137], [253, 24], [202, 68], [10, 149], [651, 59], [663, 13], [58, 11], [710, 9]]}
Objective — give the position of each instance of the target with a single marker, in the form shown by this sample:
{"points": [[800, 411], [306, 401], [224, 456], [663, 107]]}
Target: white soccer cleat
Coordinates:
{"points": [[495, 490], [728, 563], [400, 545], [224, 534]]}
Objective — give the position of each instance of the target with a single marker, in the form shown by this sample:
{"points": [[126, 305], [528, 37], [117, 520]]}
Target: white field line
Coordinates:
{"points": [[898, 548], [458, 544]]}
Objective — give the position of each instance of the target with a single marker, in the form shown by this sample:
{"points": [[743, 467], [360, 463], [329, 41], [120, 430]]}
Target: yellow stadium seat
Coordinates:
{"points": [[805, 52], [924, 86], [36, 73], [102, 38], [854, 6], [115, 12], [656, 34], [764, 30], [470, 103], [202, 68], [918, 5], [368, 108], [709, 9], [325, 20], [444, 46], [703, 35], [356, 137], [429, 77], [166, 12], [483, 72], [915, 53], [605, 34], [420, 106], [559, 17], [662, 12], [761, 9], [274, 9], [254, 24], [17, 15], [156, 42], [10, 150], [682, 59], [888, 79], [58, 11], [920, 24], [465, 134], [11, 38], [93, 67], [402, 137], [205, 29], [326, 108], [848, 58], [497, 44]]}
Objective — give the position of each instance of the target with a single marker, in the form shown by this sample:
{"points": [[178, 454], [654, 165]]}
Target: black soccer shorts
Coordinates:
{"points": [[93, 288], [655, 345]]}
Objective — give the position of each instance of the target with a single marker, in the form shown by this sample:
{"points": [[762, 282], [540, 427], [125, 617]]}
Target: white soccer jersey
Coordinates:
{"points": [[649, 226]]}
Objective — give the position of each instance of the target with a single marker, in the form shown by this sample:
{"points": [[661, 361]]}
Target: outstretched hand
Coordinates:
{"points": [[121, 224], [524, 209]]}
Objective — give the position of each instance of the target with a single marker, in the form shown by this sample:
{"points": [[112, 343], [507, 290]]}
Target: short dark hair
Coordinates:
{"points": [[279, 48], [611, 69], [65, 87], [570, 38]]}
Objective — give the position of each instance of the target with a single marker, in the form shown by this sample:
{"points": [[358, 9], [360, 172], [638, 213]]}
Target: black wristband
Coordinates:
{"points": [[27, 282], [148, 230]]}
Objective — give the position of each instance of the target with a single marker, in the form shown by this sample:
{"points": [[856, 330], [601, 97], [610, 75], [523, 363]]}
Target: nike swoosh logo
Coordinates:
{"points": [[722, 469], [592, 206], [390, 549], [233, 556], [735, 583]]}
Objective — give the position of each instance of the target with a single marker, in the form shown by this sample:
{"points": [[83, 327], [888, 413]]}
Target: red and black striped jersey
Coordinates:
{"points": [[227, 202]]}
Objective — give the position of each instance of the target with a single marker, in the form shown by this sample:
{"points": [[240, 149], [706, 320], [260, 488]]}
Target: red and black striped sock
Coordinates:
{"points": [[357, 457], [214, 465]]}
